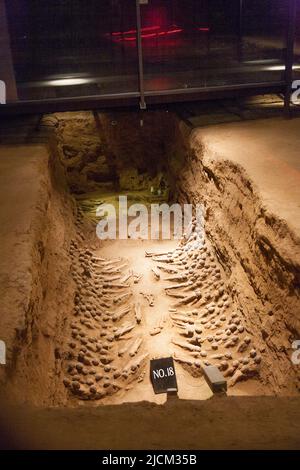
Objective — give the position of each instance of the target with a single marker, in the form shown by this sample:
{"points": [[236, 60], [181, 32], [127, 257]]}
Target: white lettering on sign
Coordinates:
{"points": [[161, 373]]}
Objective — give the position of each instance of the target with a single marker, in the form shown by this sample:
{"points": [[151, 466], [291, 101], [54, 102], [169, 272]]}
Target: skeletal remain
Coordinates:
{"points": [[113, 290], [97, 258], [188, 346], [123, 350], [124, 329], [156, 273], [187, 361], [236, 377], [189, 299], [177, 278], [122, 298], [183, 318], [105, 302], [141, 377], [187, 331], [121, 313], [177, 295], [137, 278], [162, 259], [149, 254], [110, 262], [155, 331], [179, 286], [229, 372], [191, 286], [110, 270], [127, 277], [179, 324], [111, 279], [115, 285], [243, 346], [168, 269], [133, 365], [138, 312], [135, 347], [149, 298], [231, 342], [162, 321]]}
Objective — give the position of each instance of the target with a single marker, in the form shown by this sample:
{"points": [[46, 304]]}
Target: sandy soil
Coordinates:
{"points": [[229, 423], [268, 151], [33, 270]]}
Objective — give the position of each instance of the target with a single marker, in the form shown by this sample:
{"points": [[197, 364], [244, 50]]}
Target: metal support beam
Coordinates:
{"points": [[140, 56], [7, 73], [291, 30]]}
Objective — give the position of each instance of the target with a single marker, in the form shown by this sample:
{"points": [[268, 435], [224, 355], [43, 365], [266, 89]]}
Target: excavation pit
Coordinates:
{"points": [[83, 317]]}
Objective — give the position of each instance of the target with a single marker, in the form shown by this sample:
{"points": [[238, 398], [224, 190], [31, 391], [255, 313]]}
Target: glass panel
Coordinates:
{"points": [[68, 48], [297, 44], [203, 43]]}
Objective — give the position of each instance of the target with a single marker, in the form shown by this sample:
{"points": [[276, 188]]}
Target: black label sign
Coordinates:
{"points": [[163, 375]]}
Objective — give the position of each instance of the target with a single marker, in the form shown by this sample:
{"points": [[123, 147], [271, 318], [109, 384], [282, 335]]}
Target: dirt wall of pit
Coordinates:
{"points": [[35, 290], [116, 151], [258, 251]]}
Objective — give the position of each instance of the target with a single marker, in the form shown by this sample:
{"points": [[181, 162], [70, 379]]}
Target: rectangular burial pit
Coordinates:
{"points": [[212, 298]]}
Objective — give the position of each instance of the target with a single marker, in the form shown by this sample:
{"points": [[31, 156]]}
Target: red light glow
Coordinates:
{"points": [[130, 35]]}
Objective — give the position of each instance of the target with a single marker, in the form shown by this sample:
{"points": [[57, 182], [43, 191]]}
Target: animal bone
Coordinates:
{"points": [[115, 290], [111, 262], [237, 377], [168, 269], [183, 318], [137, 278], [149, 298], [127, 277], [189, 299], [122, 298], [187, 361], [122, 266], [123, 350], [179, 286], [162, 321], [124, 329], [97, 258], [135, 347], [111, 271], [148, 254], [156, 273], [187, 331], [138, 312], [162, 259], [175, 294], [177, 278], [155, 331], [187, 346], [111, 279], [243, 347], [118, 315], [112, 285], [135, 364]]}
